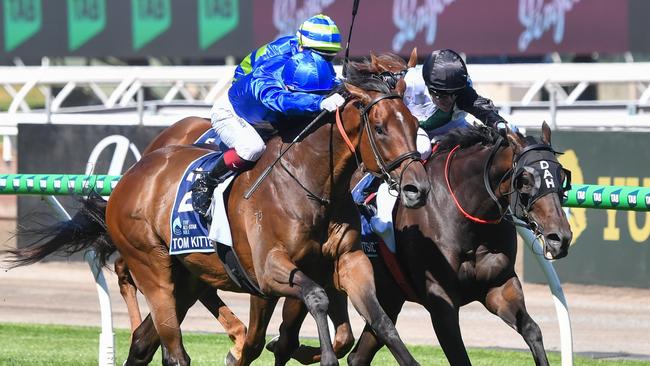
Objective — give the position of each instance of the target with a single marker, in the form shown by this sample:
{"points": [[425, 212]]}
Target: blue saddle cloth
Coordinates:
{"points": [[188, 235], [208, 137], [369, 240]]}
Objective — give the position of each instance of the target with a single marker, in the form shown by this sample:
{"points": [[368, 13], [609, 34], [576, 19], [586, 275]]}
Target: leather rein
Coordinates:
{"points": [[384, 167]]}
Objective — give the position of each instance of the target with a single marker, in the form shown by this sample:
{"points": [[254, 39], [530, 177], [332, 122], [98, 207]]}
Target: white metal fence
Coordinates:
{"points": [[527, 94], [520, 88]]}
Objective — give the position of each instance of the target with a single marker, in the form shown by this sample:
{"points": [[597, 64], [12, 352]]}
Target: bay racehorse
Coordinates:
{"points": [[389, 67], [461, 246], [287, 242]]}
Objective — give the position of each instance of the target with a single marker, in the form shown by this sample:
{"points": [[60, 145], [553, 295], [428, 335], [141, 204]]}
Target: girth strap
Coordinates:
{"points": [[236, 271]]}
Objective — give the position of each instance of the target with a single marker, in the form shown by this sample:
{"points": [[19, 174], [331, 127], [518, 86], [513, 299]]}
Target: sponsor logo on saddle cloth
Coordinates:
{"points": [[188, 235], [369, 239]]}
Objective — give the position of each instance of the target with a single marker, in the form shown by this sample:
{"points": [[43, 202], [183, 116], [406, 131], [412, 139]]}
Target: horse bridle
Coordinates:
{"points": [[518, 206], [391, 78], [531, 155], [385, 168]]}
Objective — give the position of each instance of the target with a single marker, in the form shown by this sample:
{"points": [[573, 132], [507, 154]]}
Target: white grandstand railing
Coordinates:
{"points": [[121, 89]]}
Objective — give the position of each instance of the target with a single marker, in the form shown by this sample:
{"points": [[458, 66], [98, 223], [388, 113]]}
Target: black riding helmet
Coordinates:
{"points": [[445, 70]]}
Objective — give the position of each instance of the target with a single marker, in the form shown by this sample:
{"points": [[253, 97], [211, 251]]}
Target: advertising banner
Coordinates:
{"points": [[495, 27], [203, 29], [609, 247], [125, 28], [74, 149]]}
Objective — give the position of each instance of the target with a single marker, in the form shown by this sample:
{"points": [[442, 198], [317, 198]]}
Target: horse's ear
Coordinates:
{"points": [[358, 93], [515, 141], [413, 60], [400, 87], [546, 133], [373, 60]]}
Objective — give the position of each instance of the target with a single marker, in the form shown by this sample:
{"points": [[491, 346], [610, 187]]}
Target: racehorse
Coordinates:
{"points": [[389, 67], [284, 243], [461, 246]]}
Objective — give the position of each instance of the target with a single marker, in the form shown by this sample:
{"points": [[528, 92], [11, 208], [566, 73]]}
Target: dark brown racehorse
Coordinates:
{"points": [[288, 243], [186, 131], [461, 247]]}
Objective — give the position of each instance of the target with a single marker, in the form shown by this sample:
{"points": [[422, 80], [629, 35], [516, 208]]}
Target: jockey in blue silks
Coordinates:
{"points": [[277, 89]]}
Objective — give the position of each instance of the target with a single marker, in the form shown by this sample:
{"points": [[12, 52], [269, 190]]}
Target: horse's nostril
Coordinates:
{"points": [[553, 237], [410, 189]]}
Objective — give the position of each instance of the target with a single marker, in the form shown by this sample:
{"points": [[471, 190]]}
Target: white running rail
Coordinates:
{"points": [[561, 307]]}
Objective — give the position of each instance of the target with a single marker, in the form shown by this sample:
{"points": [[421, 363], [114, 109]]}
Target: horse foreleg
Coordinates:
{"points": [[507, 302], [392, 299], [229, 321], [343, 337], [294, 312], [260, 315], [338, 312], [282, 277], [355, 277], [129, 291], [446, 324]]}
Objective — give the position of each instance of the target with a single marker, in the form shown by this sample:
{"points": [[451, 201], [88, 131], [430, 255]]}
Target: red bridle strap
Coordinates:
{"points": [[460, 208], [339, 124]]}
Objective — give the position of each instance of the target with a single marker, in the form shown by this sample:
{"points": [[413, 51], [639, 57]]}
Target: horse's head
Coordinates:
{"points": [[385, 131], [538, 184], [388, 66]]}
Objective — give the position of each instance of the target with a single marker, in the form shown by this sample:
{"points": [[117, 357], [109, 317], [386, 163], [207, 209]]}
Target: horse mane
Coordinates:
{"points": [[468, 136], [366, 66], [359, 76]]}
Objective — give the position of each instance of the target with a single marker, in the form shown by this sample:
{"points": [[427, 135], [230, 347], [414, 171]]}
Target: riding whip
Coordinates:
{"points": [[355, 7], [266, 171]]}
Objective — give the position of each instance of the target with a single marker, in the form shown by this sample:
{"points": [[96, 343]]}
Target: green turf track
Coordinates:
{"points": [[22, 344]]}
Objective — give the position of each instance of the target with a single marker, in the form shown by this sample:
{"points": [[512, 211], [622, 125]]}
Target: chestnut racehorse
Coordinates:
{"points": [[189, 130], [287, 242]]}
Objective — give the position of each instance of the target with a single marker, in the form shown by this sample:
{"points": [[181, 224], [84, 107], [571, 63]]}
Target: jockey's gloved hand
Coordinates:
{"points": [[332, 102], [501, 126]]}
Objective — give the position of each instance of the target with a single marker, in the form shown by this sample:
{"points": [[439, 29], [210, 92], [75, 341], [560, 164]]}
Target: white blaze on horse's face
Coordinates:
{"points": [[400, 117]]}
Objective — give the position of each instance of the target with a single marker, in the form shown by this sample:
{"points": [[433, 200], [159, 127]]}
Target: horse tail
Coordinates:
{"points": [[86, 230]]}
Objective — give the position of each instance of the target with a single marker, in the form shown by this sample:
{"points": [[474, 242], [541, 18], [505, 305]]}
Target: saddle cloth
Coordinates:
{"points": [[369, 239], [188, 234], [371, 243]]}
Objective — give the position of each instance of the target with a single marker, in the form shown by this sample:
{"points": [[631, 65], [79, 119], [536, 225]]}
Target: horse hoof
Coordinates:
{"points": [[230, 360], [271, 345]]}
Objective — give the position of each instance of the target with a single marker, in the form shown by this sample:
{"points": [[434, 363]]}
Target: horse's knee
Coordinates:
{"points": [[316, 300], [385, 329], [530, 330]]}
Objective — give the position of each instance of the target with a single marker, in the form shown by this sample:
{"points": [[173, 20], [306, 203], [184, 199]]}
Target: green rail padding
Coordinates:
{"points": [[628, 198], [57, 184], [581, 195]]}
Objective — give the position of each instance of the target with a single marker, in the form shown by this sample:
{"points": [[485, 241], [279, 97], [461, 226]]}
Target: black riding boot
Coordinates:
{"points": [[204, 186]]}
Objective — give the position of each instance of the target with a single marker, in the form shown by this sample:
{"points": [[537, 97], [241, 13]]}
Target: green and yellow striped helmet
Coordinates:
{"points": [[320, 33]]}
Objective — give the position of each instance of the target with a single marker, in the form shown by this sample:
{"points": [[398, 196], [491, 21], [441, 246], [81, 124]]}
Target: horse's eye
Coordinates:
{"points": [[525, 184], [379, 130]]}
